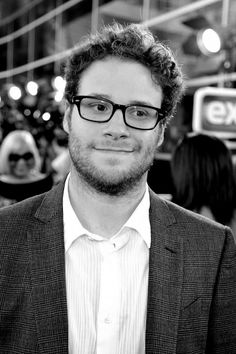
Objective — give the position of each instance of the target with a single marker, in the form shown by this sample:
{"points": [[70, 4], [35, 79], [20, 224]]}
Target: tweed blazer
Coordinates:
{"points": [[192, 280]]}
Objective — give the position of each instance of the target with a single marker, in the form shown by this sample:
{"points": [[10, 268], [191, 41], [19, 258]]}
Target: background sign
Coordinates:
{"points": [[214, 111]]}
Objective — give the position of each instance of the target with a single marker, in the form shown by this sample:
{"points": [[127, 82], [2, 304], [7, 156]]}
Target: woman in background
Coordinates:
{"points": [[20, 165], [204, 179], [19, 157]]}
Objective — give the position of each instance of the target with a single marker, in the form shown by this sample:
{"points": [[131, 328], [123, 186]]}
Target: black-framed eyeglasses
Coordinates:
{"points": [[101, 110]]}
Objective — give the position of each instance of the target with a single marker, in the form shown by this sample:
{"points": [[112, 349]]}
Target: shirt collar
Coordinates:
{"points": [[72, 226], [138, 221]]}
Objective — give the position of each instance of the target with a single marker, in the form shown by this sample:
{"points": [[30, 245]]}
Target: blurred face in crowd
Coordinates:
{"points": [[21, 161], [111, 156]]}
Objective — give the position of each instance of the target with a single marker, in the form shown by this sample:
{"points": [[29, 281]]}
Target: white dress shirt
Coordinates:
{"points": [[106, 283]]}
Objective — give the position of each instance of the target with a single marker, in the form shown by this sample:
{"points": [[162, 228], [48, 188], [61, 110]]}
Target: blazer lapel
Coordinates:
{"points": [[47, 264], [165, 280]]}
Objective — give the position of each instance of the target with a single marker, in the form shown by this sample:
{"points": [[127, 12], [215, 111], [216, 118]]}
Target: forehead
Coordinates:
{"points": [[20, 146], [120, 78]]}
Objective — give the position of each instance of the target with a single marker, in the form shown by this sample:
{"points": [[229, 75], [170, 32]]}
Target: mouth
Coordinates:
{"points": [[114, 148], [114, 151]]}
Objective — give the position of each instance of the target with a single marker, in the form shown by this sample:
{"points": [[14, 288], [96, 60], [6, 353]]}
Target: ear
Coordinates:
{"points": [[160, 140], [67, 118], [161, 133]]}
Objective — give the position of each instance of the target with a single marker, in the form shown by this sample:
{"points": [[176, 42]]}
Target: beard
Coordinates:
{"points": [[113, 182]]}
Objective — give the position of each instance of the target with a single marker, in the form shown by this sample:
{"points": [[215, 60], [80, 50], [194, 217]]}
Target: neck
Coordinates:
{"points": [[100, 213]]}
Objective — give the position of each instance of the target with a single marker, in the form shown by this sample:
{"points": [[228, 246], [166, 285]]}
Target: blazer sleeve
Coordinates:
{"points": [[222, 324]]}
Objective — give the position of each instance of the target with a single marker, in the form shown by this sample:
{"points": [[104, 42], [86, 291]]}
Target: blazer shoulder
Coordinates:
{"points": [[188, 224], [23, 212], [24, 207]]}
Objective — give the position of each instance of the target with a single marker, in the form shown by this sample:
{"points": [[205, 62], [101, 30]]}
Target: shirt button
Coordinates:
{"points": [[107, 320]]}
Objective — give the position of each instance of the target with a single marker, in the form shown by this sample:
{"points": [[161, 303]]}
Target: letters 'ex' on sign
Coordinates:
{"points": [[214, 111]]}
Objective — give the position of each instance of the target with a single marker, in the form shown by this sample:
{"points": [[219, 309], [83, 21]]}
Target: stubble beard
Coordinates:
{"points": [[117, 184]]}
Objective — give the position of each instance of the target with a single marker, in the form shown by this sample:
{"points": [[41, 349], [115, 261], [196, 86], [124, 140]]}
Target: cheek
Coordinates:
{"points": [[30, 164], [84, 131], [152, 140], [12, 166]]}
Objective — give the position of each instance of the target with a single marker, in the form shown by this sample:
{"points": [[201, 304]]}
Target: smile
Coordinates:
{"points": [[113, 150]]}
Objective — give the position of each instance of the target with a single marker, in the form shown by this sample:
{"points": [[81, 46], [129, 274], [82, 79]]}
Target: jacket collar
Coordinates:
{"points": [[165, 279], [47, 266]]}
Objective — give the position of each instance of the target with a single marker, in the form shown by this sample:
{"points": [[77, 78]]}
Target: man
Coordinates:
{"points": [[100, 264]]}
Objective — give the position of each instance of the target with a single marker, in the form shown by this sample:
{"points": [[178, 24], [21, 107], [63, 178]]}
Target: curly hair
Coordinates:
{"points": [[203, 175], [133, 42]]}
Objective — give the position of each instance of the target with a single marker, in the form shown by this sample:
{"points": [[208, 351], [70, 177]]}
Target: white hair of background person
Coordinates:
{"points": [[9, 144]]}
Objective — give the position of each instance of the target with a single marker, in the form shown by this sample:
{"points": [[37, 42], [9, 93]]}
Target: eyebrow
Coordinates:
{"points": [[133, 102]]}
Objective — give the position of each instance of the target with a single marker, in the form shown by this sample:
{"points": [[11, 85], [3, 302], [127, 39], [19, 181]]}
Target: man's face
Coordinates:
{"points": [[112, 157]]}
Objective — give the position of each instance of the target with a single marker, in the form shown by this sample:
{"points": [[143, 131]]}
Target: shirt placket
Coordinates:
{"points": [[108, 320]]}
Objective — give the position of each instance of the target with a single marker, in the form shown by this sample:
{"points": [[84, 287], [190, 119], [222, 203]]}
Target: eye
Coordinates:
{"points": [[95, 105], [100, 106], [140, 112]]}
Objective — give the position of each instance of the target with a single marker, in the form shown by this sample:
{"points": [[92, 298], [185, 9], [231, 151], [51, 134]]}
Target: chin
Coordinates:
{"points": [[120, 164], [115, 183]]}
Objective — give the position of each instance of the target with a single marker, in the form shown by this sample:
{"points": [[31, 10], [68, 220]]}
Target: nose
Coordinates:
{"points": [[21, 161], [116, 126]]}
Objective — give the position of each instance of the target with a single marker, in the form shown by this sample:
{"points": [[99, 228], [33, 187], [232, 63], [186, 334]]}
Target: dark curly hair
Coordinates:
{"points": [[133, 42]]}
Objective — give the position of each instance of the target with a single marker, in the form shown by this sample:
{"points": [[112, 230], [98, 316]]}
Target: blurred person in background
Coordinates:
{"points": [[204, 178], [61, 162], [19, 157], [20, 165], [101, 264]]}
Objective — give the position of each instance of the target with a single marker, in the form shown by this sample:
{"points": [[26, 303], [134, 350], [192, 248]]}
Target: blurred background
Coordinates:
{"points": [[36, 36]]}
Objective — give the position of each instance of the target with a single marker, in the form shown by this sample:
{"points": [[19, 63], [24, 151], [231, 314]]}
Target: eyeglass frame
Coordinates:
{"points": [[78, 98]]}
